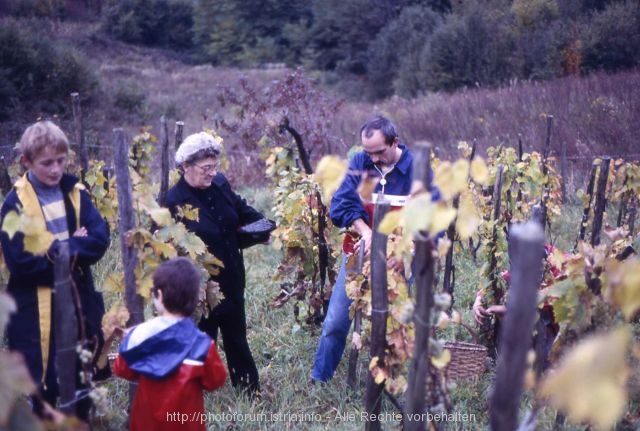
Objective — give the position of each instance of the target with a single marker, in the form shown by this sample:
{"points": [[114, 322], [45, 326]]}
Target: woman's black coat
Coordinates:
{"points": [[220, 212]]}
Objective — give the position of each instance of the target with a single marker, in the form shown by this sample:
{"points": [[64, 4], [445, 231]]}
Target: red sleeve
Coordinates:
{"points": [[121, 369], [215, 373]]}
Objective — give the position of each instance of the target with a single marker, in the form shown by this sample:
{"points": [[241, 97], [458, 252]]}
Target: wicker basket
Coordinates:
{"points": [[467, 360]]}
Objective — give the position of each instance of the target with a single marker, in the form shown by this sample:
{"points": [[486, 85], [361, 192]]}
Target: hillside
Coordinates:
{"points": [[594, 115]]}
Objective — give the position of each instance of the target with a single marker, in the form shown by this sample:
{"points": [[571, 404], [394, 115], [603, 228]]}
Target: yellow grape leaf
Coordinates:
{"points": [[590, 382], [379, 373], [460, 175], [144, 287], [443, 246], [114, 282], [441, 361], [189, 212], [417, 214], [468, 219], [443, 320], [193, 245], [623, 288], [11, 223], [443, 179], [161, 216], [116, 317], [441, 218], [479, 171], [329, 174], [390, 222], [163, 249], [38, 244]]}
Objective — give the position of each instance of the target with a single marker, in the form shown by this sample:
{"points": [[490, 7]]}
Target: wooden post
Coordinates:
{"points": [[164, 161], [492, 330], [601, 201], [65, 330], [633, 204], [133, 300], [5, 178], [545, 168], [526, 252], [357, 327], [563, 171], [178, 133], [587, 208], [379, 304], [424, 269], [79, 131]]}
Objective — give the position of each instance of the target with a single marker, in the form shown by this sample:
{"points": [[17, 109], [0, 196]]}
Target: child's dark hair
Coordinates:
{"points": [[179, 281]]}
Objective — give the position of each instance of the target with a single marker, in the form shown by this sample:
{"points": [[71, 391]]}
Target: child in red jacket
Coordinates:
{"points": [[172, 361]]}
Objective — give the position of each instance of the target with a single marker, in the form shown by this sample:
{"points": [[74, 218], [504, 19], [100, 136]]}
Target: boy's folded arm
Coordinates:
{"points": [[90, 248], [215, 373]]}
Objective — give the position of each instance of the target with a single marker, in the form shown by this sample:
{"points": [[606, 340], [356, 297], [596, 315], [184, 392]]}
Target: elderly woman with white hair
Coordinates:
{"points": [[220, 213]]}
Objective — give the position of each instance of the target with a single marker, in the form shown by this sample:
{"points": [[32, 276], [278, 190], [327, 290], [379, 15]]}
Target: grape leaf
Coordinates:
{"points": [[589, 383], [329, 174]]}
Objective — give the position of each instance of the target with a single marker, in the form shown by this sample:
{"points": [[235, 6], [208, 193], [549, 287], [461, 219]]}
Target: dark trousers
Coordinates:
{"points": [[229, 316]]}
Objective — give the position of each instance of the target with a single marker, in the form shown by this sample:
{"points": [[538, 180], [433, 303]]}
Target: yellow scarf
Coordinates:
{"points": [[31, 206]]}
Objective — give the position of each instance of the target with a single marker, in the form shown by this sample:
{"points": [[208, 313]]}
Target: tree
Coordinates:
{"points": [[393, 57]]}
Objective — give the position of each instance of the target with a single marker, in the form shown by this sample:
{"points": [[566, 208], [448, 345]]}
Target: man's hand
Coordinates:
{"points": [[365, 234]]}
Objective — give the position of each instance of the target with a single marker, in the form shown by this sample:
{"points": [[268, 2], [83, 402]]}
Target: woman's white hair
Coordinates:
{"points": [[195, 143]]}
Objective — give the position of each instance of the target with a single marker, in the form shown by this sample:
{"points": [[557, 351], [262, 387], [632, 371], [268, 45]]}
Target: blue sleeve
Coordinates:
{"points": [[346, 205], [89, 249]]}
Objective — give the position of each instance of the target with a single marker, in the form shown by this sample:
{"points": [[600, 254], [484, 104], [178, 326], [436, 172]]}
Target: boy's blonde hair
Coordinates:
{"points": [[40, 135]]}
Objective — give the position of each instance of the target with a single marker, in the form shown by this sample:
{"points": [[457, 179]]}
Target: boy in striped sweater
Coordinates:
{"points": [[58, 201]]}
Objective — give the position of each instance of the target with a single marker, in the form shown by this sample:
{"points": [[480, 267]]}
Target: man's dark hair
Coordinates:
{"points": [[383, 124], [179, 281]]}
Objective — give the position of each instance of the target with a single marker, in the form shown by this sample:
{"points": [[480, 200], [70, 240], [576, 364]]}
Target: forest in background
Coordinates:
{"points": [[134, 61], [375, 49]]}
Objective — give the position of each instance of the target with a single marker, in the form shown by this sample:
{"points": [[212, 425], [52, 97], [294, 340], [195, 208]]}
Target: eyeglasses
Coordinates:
{"points": [[207, 168]]}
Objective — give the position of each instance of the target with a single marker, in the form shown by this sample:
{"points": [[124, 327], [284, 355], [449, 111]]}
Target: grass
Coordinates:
{"points": [[284, 351]]}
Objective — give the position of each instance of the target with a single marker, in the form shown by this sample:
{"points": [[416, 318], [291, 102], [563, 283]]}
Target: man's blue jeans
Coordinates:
{"points": [[334, 330]]}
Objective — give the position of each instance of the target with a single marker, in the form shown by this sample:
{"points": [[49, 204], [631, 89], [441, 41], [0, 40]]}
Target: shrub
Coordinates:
{"points": [[165, 23], [612, 41], [129, 97], [38, 74]]}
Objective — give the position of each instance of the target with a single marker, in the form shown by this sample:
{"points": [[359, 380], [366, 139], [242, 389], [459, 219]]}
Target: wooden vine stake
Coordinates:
{"points": [[65, 331], [379, 304], [545, 169], [526, 242], [79, 132], [164, 162], [134, 302], [601, 201], [491, 330], [586, 210], [357, 327], [5, 178], [424, 269]]}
